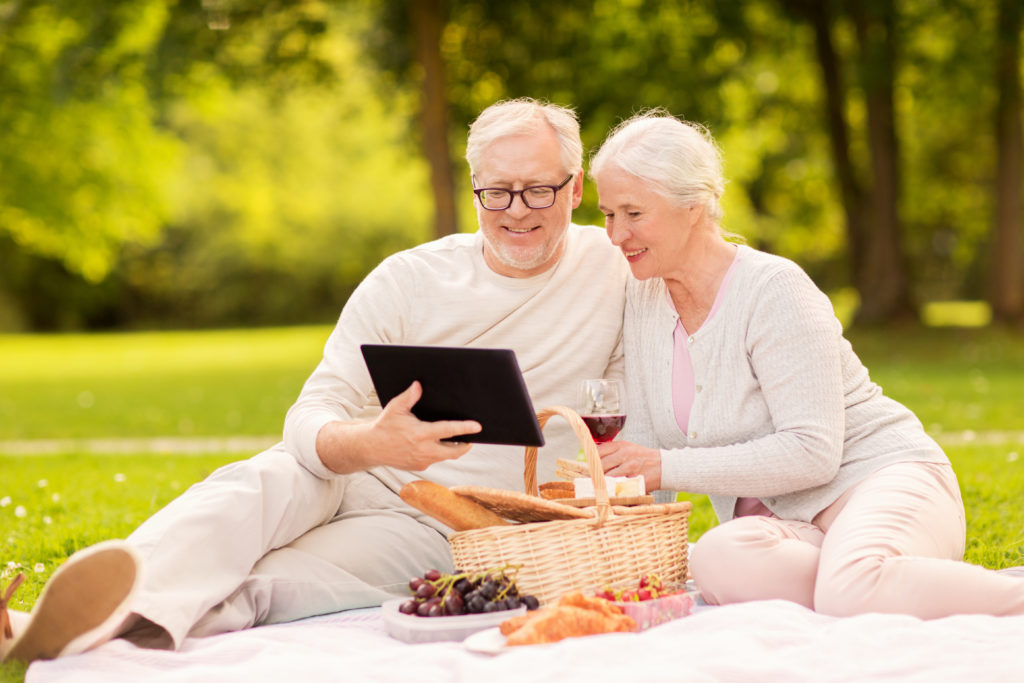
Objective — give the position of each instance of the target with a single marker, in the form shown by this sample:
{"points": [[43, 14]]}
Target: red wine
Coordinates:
{"points": [[604, 427]]}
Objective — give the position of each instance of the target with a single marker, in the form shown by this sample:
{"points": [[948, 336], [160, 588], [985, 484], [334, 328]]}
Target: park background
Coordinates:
{"points": [[213, 163], [190, 190]]}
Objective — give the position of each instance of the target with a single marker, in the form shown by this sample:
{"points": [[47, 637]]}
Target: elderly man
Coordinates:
{"points": [[315, 524]]}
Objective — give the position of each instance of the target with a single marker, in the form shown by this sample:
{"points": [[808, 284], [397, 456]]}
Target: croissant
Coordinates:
{"points": [[574, 615]]}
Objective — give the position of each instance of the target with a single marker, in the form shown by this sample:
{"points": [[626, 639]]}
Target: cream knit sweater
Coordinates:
{"points": [[565, 325], [783, 408]]}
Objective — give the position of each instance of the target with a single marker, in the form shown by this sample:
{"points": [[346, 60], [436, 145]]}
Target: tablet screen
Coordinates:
{"points": [[459, 383]]}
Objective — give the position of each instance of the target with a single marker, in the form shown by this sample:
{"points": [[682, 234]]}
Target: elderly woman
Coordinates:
{"points": [[741, 386]]}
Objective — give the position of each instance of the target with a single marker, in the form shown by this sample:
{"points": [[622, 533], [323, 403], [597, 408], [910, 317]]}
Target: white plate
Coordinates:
{"points": [[413, 629], [487, 642]]}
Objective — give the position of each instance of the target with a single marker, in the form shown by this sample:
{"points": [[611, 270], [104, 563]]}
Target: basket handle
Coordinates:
{"points": [[589, 450]]}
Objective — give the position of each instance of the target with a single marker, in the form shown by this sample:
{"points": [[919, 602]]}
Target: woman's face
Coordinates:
{"points": [[651, 230]]}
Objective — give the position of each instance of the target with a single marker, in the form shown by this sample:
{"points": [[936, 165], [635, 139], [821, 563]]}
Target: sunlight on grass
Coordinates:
{"points": [[63, 357], [933, 313], [221, 382], [956, 314]]}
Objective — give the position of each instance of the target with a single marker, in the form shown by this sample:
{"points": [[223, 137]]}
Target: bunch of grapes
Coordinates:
{"points": [[437, 595]]}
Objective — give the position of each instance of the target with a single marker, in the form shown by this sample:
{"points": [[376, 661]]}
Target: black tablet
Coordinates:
{"points": [[485, 385]]}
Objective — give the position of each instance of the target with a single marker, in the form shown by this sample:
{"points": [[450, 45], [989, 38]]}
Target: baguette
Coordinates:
{"points": [[448, 507]]}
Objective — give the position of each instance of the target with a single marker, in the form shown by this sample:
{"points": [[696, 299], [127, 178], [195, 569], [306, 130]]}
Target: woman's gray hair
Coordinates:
{"points": [[679, 159], [521, 116]]}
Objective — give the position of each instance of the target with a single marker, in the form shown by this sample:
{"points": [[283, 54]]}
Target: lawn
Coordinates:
{"points": [[153, 384], [963, 383]]}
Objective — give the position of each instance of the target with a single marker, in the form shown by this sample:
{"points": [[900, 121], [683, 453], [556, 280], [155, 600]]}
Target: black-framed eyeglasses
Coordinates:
{"points": [[535, 196]]}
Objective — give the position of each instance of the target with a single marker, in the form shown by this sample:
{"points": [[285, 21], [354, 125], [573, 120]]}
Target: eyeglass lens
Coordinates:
{"points": [[533, 197]]}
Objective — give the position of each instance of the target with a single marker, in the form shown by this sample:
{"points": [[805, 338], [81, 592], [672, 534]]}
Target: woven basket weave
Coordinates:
{"points": [[581, 554]]}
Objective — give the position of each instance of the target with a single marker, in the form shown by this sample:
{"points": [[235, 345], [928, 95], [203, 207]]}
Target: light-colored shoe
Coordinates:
{"points": [[81, 605]]}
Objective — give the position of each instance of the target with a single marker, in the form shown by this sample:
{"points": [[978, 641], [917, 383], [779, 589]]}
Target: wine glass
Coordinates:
{"points": [[602, 408]]}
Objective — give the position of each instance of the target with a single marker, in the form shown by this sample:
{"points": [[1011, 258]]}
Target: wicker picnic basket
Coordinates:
{"points": [[612, 545]]}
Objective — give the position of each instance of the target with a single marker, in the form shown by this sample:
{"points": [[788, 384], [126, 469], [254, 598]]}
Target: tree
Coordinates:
{"points": [[820, 16], [877, 258], [84, 168], [428, 18], [883, 280], [175, 164], [86, 158], [1006, 286]]}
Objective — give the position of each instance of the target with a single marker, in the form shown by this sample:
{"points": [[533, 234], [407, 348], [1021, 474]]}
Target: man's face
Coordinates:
{"points": [[520, 241]]}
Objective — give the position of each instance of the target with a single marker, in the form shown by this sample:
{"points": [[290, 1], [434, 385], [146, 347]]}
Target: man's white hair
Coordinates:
{"points": [[521, 116]]}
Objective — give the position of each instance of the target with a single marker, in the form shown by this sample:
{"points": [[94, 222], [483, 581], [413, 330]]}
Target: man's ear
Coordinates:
{"points": [[577, 189]]}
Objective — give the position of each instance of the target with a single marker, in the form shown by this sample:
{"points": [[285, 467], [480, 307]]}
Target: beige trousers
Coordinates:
{"points": [[893, 543], [264, 541]]}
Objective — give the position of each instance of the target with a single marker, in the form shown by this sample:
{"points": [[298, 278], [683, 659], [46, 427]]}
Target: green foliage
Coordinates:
{"points": [[83, 163], [195, 176], [947, 98], [181, 164]]}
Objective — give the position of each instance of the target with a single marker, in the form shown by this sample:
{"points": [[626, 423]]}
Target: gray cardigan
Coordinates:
{"points": [[783, 409]]}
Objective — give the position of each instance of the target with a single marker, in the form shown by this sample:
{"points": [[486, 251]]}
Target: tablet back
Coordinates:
{"points": [[459, 383]]}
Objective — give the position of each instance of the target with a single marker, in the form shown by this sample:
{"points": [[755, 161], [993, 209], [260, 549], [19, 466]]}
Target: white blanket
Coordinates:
{"points": [[752, 642]]}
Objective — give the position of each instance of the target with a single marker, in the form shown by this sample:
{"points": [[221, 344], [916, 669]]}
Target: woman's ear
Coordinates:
{"points": [[698, 212]]}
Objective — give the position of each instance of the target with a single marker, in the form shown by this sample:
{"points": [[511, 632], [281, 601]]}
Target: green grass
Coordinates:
{"points": [[991, 479], [954, 379], [153, 384], [53, 505], [242, 382]]}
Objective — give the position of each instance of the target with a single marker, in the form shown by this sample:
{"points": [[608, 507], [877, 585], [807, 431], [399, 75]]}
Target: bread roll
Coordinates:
{"points": [[448, 507], [554, 490]]}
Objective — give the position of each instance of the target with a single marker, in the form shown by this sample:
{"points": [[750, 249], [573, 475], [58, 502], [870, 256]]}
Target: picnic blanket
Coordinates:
{"points": [[757, 641]]}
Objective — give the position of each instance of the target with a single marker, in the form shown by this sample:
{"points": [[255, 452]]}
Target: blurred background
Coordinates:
{"points": [[223, 163]]}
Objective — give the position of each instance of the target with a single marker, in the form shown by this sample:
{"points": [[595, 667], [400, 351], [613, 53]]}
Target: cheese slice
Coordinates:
{"points": [[618, 487]]}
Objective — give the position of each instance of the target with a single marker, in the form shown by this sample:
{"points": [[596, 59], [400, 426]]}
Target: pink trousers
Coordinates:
{"points": [[893, 543]]}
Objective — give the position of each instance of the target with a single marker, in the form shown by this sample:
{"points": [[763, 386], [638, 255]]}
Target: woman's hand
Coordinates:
{"points": [[625, 459]]}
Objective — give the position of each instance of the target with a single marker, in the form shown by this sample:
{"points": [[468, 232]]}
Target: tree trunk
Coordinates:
{"points": [[883, 281], [428, 18], [1006, 285], [835, 102]]}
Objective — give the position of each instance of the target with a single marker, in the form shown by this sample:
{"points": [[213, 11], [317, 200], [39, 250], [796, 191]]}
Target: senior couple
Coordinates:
{"points": [[740, 383]]}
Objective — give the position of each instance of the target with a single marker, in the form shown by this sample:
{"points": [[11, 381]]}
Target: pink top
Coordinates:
{"points": [[684, 389]]}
